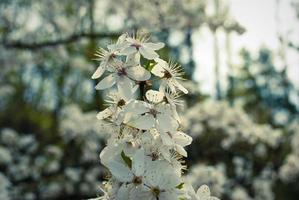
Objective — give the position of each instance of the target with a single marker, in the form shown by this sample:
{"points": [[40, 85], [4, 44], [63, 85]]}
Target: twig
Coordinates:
{"points": [[51, 43]]}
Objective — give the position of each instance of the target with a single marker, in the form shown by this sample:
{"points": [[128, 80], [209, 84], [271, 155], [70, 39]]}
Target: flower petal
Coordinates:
{"points": [[105, 83], [167, 123], [125, 87], [203, 192], [138, 73], [99, 72], [121, 172], [144, 122], [166, 139], [180, 87], [138, 162], [181, 150], [181, 138], [158, 70], [148, 53], [123, 191], [105, 113], [154, 46], [154, 96], [136, 107], [128, 50], [141, 193], [133, 59]]}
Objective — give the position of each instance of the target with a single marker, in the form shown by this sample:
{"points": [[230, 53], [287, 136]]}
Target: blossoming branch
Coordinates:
{"points": [[145, 150]]}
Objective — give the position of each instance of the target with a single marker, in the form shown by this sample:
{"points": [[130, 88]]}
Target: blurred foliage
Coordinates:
{"points": [[264, 92]]}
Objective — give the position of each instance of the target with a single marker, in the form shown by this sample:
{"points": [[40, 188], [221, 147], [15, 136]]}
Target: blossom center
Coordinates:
{"points": [[167, 74], [153, 112], [121, 103], [136, 45], [111, 56], [156, 191], [154, 156], [122, 72], [137, 180]]}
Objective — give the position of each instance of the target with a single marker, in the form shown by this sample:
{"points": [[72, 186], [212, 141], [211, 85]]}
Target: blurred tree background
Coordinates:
{"points": [[246, 136]]}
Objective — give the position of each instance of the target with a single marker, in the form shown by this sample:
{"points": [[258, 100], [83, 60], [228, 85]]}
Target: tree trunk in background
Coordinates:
{"points": [[231, 89], [216, 67], [216, 53], [190, 66]]}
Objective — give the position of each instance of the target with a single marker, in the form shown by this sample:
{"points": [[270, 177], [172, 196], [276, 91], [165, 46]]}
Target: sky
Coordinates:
{"points": [[259, 19]]}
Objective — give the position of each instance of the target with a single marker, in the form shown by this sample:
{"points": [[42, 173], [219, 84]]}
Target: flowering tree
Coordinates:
{"points": [[144, 152]]}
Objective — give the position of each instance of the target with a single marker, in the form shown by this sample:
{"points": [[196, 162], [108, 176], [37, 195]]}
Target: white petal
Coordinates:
{"points": [[170, 83], [214, 198], [141, 193], [122, 38], [134, 90], [136, 107], [154, 46], [181, 150], [117, 46], [110, 152], [167, 123], [160, 173], [180, 87], [138, 73], [148, 53], [165, 153], [99, 72], [166, 139], [121, 172], [133, 59], [128, 50], [154, 96], [132, 40], [175, 114], [105, 83], [105, 113], [123, 191], [138, 162], [164, 108], [158, 70], [162, 63], [169, 195], [203, 192], [181, 138], [143, 122], [125, 87]]}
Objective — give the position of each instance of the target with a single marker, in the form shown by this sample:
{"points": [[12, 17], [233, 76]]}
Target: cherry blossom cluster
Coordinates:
{"points": [[145, 150], [289, 171]]}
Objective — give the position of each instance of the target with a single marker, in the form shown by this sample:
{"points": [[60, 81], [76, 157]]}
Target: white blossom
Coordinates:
{"points": [[170, 73], [140, 44], [144, 151]]}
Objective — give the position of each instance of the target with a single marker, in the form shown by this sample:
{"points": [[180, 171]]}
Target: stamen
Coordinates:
{"points": [[167, 74], [156, 191], [137, 180], [122, 72], [154, 156], [121, 103], [137, 46], [153, 112]]}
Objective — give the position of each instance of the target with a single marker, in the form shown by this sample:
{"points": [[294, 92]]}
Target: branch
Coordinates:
{"points": [[51, 43]]}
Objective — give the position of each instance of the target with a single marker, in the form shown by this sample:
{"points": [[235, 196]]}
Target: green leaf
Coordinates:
{"points": [[151, 65], [127, 159], [180, 186]]}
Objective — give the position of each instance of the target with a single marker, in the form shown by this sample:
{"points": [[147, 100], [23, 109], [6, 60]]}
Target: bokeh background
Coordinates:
{"points": [[242, 68]]}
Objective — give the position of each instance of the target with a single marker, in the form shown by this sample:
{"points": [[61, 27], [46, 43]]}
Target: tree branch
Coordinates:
{"points": [[51, 43]]}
